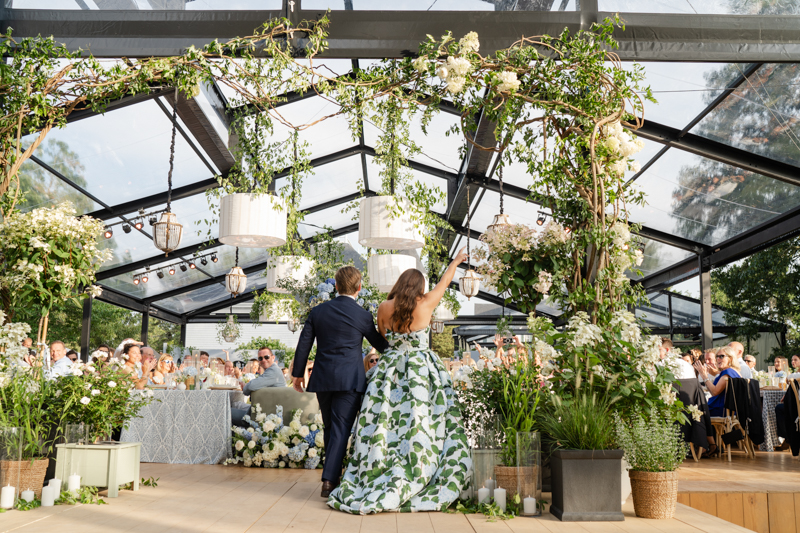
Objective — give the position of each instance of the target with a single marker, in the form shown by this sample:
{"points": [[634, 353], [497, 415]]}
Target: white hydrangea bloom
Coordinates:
{"points": [[421, 64], [544, 283], [508, 81], [442, 73], [470, 42], [458, 66], [455, 84]]}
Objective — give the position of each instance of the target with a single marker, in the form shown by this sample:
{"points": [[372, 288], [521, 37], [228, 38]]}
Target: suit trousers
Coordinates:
{"points": [[339, 410]]}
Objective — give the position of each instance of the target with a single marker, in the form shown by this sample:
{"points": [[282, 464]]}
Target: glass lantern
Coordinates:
{"points": [[485, 456], [11, 467], [167, 232], [529, 473], [77, 434]]}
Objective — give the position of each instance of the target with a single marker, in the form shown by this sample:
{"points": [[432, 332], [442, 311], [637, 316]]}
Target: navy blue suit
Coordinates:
{"points": [[339, 327]]}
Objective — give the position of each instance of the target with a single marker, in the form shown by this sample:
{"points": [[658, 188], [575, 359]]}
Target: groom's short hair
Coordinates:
{"points": [[348, 279]]}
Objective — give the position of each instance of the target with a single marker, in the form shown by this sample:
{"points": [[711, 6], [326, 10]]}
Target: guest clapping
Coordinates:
{"points": [[163, 367], [728, 368], [133, 358]]}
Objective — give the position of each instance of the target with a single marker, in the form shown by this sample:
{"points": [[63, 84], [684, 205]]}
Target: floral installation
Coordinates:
{"points": [[11, 336], [695, 412], [268, 443]]}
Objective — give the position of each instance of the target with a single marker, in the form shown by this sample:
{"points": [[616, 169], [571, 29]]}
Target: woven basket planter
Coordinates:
{"points": [[31, 473], [507, 478], [654, 493]]}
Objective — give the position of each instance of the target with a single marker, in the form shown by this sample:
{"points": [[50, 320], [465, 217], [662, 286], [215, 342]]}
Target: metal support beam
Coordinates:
{"points": [[183, 334], [707, 330], [145, 324], [86, 329], [669, 310]]}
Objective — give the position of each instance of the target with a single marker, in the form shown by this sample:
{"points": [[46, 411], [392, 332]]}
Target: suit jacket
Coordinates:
{"points": [[272, 377], [339, 326], [745, 401]]}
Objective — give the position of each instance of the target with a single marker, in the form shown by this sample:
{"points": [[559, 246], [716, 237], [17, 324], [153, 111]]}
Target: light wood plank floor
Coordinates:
{"points": [[232, 499], [767, 472]]}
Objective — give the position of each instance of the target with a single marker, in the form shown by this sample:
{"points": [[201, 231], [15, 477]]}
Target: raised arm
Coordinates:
{"points": [[432, 299]]}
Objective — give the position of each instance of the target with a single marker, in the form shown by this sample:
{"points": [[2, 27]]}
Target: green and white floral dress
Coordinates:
{"points": [[409, 450]]}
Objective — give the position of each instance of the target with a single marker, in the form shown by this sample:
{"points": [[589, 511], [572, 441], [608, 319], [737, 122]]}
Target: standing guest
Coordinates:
{"points": [[72, 355], [738, 349], [61, 363], [666, 346], [133, 359], [727, 365], [271, 375], [27, 342], [371, 359]]}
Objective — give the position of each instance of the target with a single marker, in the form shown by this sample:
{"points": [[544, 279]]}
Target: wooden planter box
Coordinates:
{"points": [[100, 465]]}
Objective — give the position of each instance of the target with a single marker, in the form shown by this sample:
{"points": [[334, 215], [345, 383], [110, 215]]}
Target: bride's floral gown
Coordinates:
{"points": [[409, 450]]}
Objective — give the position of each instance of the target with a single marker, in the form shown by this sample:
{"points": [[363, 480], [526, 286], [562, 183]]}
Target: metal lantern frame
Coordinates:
{"points": [[501, 220], [470, 282], [236, 279], [167, 232], [230, 331]]}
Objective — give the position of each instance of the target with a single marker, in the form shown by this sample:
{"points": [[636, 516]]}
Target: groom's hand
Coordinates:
{"points": [[298, 384]]}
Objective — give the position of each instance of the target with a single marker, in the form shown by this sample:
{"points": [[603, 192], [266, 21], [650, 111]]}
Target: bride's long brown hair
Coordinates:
{"points": [[409, 287]]}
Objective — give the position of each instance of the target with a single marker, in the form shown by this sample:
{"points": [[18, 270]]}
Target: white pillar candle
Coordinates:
{"points": [[55, 482], [529, 505], [7, 497], [500, 498], [27, 495], [483, 495], [490, 484], [48, 496], [74, 483]]}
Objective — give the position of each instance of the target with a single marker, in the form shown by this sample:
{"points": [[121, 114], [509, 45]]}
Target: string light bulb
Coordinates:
{"points": [[108, 233], [214, 258], [145, 278], [135, 280], [192, 265], [139, 224], [540, 220], [172, 271]]}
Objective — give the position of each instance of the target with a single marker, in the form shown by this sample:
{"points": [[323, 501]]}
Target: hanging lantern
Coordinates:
{"points": [[287, 266], [167, 232], [470, 283], [236, 281], [500, 221], [378, 228], [293, 324], [384, 269], [252, 220], [230, 332], [437, 326]]}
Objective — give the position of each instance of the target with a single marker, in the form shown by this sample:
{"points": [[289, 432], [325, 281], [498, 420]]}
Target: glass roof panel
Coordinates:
{"points": [[707, 201], [329, 181], [683, 90], [123, 155], [706, 7], [147, 5], [760, 116], [40, 188], [658, 256], [126, 247], [441, 5], [439, 149], [657, 315], [204, 296], [333, 217], [429, 180], [323, 138]]}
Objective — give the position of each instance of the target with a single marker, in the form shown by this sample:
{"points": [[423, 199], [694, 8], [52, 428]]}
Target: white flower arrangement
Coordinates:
{"points": [[11, 336], [268, 443], [695, 412]]}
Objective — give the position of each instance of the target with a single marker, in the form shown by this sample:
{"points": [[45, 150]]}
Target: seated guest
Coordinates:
{"points": [[781, 367], [27, 342], [59, 360], [795, 370], [133, 357], [371, 359], [204, 359], [148, 355], [118, 351], [710, 362], [750, 361], [666, 346], [231, 370], [163, 367], [728, 367], [72, 355], [271, 375], [738, 351], [101, 355]]}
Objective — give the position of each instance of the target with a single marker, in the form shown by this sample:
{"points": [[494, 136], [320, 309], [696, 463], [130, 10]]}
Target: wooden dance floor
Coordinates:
{"points": [[233, 499], [761, 494]]}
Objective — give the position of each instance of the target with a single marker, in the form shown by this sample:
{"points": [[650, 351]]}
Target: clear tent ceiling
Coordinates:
{"points": [[105, 161]]}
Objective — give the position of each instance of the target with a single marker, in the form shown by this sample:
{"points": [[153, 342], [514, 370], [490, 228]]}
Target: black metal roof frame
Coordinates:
{"points": [[646, 37]]}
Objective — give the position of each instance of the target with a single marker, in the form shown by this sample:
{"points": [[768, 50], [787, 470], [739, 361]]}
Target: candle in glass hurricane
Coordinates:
{"points": [[500, 498], [483, 495]]}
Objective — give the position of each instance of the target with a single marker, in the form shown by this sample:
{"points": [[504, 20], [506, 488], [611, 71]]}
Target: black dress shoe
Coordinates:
{"points": [[327, 487]]}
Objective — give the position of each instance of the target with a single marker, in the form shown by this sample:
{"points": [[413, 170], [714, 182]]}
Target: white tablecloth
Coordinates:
{"points": [[769, 399], [186, 427]]}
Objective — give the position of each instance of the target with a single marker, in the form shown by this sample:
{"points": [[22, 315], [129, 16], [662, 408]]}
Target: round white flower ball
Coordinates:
{"points": [[282, 464], [95, 392], [295, 425], [313, 427]]}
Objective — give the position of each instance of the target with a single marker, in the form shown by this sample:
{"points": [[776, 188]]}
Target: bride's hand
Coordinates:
{"points": [[461, 256]]}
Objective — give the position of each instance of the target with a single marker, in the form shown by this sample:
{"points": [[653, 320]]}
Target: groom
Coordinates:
{"points": [[339, 326]]}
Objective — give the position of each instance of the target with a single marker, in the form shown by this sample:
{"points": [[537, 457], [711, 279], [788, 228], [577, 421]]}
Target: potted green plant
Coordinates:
{"points": [[654, 449], [586, 464], [26, 403]]}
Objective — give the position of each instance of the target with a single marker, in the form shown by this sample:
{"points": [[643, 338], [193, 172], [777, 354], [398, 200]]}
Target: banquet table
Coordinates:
{"points": [[769, 399], [185, 427]]}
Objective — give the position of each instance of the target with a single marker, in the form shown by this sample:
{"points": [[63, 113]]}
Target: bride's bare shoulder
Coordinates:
{"points": [[386, 304]]}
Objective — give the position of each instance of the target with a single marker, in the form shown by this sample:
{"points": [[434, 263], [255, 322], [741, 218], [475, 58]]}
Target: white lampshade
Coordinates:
{"points": [[443, 313], [167, 233], [236, 281], [437, 326], [377, 228], [470, 283], [384, 269], [252, 220], [498, 222], [287, 266]]}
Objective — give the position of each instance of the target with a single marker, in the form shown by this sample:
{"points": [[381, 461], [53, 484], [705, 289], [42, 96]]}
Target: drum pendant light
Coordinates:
{"points": [[502, 220], [384, 269], [167, 232], [236, 279], [470, 283]]}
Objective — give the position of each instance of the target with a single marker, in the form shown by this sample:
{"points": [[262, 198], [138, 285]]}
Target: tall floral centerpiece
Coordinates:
{"points": [[49, 255]]}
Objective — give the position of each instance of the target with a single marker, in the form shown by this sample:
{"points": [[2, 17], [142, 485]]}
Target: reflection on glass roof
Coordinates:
{"points": [[40, 188], [442, 5], [761, 115], [123, 155], [707, 201], [333, 217], [705, 7], [658, 256]]}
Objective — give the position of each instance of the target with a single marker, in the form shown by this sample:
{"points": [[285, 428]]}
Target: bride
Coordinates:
{"points": [[409, 450]]}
